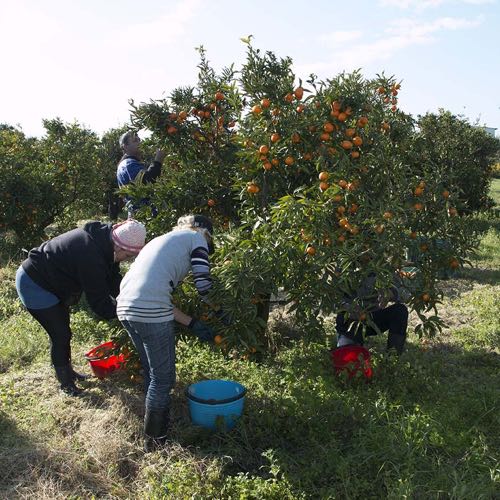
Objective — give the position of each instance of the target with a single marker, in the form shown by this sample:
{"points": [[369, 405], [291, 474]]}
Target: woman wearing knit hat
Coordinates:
{"points": [[56, 273], [146, 311]]}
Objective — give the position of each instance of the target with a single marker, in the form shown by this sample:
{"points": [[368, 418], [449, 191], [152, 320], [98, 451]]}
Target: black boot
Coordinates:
{"points": [[397, 342], [156, 424], [65, 376], [78, 376]]}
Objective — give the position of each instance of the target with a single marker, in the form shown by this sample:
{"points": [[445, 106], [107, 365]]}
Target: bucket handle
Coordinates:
{"points": [[215, 401]]}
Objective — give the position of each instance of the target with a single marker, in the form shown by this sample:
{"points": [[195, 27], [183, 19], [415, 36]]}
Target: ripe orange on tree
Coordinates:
{"points": [[310, 250], [298, 93], [323, 176], [253, 188], [265, 103], [211, 202]]}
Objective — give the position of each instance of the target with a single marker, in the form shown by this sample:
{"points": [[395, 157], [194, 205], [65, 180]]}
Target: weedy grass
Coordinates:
{"points": [[426, 426]]}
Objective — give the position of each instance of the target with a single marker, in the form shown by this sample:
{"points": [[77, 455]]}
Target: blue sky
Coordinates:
{"points": [[84, 59]]}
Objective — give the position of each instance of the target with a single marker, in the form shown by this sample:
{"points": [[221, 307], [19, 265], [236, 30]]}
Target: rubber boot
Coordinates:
{"points": [[65, 376], [78, 376], [397, 342], [156, 424]]}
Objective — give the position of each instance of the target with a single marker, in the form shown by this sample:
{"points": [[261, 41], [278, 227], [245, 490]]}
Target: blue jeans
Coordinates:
{"points": [[155, 343]]}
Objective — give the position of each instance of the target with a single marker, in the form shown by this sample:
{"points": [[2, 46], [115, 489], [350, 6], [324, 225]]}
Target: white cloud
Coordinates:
{"points": [[339, 37], [425, 4], [161, 31], [402, 33]]}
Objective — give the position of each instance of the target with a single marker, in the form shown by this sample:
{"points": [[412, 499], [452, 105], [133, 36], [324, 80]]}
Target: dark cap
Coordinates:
{"points": [[204, 222]]}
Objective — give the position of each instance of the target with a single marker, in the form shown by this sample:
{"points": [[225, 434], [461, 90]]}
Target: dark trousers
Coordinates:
{"points": [[393, 319], [55, 321]]}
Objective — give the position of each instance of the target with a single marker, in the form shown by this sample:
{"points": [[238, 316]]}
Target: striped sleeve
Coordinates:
{"points": [[201, 270]]}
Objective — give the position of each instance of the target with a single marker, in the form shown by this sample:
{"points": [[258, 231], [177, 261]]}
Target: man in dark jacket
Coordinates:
{"points": [[370, 305], [55, 274], [131, 169]]}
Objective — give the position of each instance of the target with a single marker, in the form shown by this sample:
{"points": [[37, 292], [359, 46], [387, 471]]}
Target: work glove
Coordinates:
{"points": [[201, 330]]}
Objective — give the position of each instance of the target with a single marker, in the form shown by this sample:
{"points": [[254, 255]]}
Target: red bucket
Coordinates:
{"points": [[103, 361], [353, 359]]}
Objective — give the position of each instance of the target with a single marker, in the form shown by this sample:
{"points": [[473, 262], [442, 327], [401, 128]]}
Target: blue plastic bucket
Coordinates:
{"points": [[214, 403]]}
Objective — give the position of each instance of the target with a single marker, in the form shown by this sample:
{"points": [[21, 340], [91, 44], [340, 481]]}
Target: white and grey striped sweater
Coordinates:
{"points": [[145, 291]]}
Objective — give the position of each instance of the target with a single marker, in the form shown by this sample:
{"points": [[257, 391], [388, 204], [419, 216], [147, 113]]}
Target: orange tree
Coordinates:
{"points": [[463, 154], [311, 188], [47, 180]]}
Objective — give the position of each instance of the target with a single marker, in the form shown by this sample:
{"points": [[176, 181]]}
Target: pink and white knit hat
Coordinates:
{"points": [[129, 235]]}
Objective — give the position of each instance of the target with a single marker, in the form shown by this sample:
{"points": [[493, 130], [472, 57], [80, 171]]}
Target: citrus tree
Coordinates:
{"points": [[47, 180], [311, 187], [463, 154]]}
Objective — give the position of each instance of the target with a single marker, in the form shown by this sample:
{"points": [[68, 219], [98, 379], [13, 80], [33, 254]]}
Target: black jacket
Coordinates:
{"points": [[78, 261]]}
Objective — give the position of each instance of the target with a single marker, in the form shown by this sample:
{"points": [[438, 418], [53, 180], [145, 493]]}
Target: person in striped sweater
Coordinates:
{"points": [[144, 307]]}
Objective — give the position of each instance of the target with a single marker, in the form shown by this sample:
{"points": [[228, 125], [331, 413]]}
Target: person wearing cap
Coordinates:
{"points": [[54, 275], [131, 169], [144, 307]]}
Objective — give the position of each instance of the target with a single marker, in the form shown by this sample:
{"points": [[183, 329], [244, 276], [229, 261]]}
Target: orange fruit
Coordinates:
{"points": [[275, 162], [418, 191], [300, 108], [413, 235], [218, 339], [265, 103], [350, 132], [446, 194], [267, 165], [357, 141], [219, 96], [182, 115], [324, 136], [454, 263], [346, 144], [289, 97], [328, 127], [381, 90], [295, 138], [342, 117], [343, 184], [387, 215], [307, 156], [355, 154], [289, 160], [452, 211], [253, 188], [426, 297], [379, 229], [256, 110], [418, 206], [324, 186], [211, 202], [299, 93], [323, 176], [362, 122], [263, 150], [310, 250], [275, 137], [336, 105]]}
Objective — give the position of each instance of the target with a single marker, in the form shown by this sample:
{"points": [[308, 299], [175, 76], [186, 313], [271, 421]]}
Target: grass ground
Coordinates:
{"points": [[426, 427]]}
